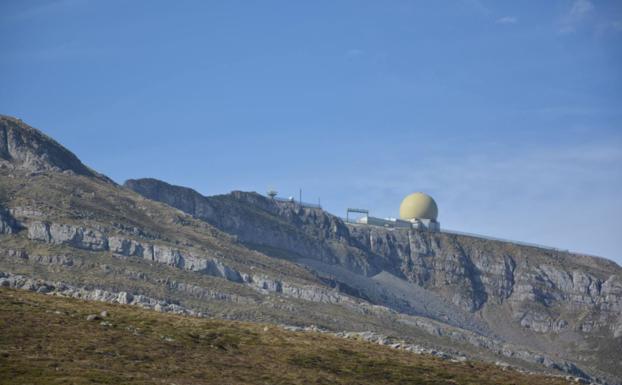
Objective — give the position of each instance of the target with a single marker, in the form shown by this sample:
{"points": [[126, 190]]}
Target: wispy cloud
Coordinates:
{"points": [[507, 20], [354, 52], [478, 6], [44, 9], [67, 50], [609, 27], [579, 11]]}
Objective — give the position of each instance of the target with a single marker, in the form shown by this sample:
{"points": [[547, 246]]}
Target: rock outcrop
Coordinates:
{"points": [[468, 272], [59, 288], [8, 224], [28, 149], [93, 240], [79, 237]]}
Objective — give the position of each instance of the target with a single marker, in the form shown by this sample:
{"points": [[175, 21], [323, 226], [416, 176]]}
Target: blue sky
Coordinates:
{"points": [[508, 113]]}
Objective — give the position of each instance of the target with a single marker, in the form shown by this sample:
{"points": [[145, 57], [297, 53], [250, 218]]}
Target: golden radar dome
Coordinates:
{"points": [[418, 206]]}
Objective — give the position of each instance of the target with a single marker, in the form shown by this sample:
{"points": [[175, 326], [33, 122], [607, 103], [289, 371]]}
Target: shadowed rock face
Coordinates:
{"points": [[182, 198], [27, 148], [8, 224]]}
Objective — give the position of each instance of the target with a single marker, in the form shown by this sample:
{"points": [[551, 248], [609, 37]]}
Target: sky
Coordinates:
{"points": [[508, 113]]}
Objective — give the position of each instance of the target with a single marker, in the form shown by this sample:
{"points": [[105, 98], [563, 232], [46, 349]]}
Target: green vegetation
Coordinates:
{"points": [[48, 340]]}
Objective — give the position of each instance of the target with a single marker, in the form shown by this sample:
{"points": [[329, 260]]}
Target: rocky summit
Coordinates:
{"points": [[68, 230]]}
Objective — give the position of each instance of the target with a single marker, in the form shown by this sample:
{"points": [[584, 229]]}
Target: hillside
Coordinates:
{"points": [[52, 340], [564, 304], [68, 230]]}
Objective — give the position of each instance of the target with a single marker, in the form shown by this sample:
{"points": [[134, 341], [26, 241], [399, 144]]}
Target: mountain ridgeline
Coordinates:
{"points": [[66, 229], [468, 272], [31, 150], [521, 293]]}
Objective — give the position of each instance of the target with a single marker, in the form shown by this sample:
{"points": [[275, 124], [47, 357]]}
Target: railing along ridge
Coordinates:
{"points": [[490, 238], [295, 202]]}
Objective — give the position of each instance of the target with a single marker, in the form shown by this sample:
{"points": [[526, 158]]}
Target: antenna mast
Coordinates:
{"points": [[272, 193]]}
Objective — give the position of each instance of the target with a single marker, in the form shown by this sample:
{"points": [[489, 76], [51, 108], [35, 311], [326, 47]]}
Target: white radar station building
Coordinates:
{"points": [[418, 211]]}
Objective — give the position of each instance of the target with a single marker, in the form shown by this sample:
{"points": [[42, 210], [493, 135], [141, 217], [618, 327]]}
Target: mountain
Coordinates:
{"points": [[546, 299], [68, 230]]}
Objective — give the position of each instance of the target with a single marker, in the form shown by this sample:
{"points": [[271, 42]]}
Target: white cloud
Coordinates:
{"points": [[507, 20], [577, 14], [581, 8], [609, 27]]}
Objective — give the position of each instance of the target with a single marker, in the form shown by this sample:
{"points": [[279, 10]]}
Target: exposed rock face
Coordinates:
{"points": [[59, 288], [61, 233], [244, 214], [30, 150], [8, 224], [542, 289], [94, 240], [182, 198], [125, 246]]}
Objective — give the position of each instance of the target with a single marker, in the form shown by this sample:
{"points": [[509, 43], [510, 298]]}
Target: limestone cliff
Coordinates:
{"points": [[551, 299], [27, 148]]}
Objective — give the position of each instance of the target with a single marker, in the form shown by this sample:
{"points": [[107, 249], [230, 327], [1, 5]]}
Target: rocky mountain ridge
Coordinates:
{"points": [[244, 256], [29, 149], [468, 272], [483, 285]]}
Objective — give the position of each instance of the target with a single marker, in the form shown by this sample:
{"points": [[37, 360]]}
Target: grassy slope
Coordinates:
{"points": [[46, 339], [95, 204]]}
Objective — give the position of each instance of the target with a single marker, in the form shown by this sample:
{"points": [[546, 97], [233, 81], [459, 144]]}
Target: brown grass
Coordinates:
{"points": [[47, 340]]}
